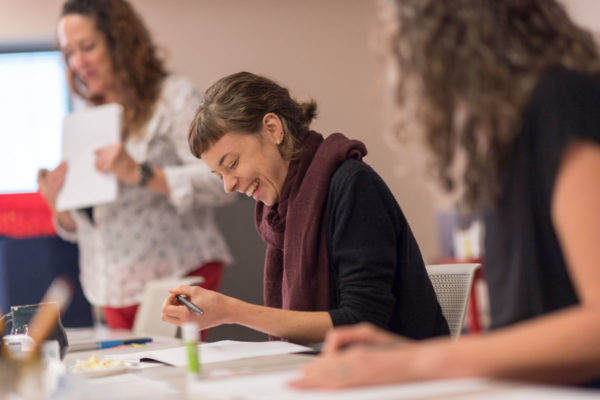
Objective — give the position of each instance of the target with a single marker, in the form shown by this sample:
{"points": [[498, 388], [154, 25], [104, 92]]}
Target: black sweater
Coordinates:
{"points": [[377, 273]]}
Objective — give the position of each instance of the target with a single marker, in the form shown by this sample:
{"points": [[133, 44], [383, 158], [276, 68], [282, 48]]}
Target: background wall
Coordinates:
{"points": [[319, 49], [326, 50]]}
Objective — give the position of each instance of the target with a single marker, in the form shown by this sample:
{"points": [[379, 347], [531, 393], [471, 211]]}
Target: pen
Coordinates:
{"points": [[189, 304], [106, 344]]}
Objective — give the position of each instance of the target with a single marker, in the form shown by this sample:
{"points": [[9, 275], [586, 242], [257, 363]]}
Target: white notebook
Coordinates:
{"points": [[224, 350], [84, 132]]}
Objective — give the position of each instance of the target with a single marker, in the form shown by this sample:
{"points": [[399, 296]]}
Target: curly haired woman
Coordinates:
{"points": [[162, 223], [515, 86]]}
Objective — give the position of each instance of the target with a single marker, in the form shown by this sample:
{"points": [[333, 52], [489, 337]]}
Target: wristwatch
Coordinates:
{"points": [[146, 173]]}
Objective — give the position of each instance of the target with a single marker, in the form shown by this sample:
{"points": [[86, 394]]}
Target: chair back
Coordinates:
{"points": [[452, 284], [148, 320]]}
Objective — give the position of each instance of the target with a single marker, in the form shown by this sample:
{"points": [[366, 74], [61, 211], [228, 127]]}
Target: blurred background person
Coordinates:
{"points": [[513, 86], [162, 223], [339, 249]]}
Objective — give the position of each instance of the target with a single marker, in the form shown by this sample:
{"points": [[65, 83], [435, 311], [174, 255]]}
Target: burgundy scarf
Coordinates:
{"points": [[294, 229]]}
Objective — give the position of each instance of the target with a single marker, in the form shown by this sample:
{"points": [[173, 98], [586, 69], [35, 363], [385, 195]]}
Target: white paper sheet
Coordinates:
{"points": [[275, 386], [531, 392], [83, 133], [224, 350], [123, 386]]}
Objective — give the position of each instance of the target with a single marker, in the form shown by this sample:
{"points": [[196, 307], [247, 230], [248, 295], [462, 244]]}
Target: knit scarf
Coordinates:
{"points": [[296, 275]]}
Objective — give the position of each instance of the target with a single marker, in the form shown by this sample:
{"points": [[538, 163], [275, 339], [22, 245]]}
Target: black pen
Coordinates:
{"points": [[189, 304]]}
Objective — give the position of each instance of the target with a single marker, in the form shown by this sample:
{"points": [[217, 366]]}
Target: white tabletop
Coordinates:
{"points": [[266, 378]]}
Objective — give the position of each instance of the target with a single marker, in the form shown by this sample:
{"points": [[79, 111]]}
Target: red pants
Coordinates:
{"points": [[122, 317]]}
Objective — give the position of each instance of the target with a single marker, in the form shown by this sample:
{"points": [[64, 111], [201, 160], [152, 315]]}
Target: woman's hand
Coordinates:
{"points": [[296, 326], [216, 307], [375, 357], [363, 333], [361, 365], [50, 182], [114, 159]]}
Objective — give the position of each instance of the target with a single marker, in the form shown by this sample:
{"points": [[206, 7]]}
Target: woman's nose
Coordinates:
{"points": [[75, 60], [229, 183]]}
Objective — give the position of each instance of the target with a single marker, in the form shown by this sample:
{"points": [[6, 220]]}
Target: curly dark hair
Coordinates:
{"points": [[467, 68], [138, 70], [238, 103]]}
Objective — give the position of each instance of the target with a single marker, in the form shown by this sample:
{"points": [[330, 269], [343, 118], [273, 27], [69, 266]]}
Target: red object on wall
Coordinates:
{"points": [[24, 215]]}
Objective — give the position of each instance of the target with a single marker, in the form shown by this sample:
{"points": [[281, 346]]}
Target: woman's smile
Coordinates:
{"points": [[251, 190]]}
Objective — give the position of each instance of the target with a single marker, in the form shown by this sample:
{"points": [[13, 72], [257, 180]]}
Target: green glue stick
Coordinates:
{"points": [[189, 332]]}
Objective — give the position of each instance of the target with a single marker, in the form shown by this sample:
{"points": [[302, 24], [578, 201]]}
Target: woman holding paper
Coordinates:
{"points": [[162, 223], [516, 86], [339, 249]]}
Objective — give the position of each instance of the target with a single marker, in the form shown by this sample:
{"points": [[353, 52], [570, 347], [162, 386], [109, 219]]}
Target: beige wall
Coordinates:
{"points": [[585, 12], [318, 48]]}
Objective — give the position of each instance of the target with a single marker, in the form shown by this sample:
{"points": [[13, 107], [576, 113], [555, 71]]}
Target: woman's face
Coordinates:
{"points": [[86, 53], [250, 164]]}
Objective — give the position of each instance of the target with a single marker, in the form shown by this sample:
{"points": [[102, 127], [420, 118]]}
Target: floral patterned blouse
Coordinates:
{"points": [[144, 235]]}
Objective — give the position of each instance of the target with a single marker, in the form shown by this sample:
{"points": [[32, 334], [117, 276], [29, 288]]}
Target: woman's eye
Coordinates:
{"points": [[88, 47], [233, 164]]}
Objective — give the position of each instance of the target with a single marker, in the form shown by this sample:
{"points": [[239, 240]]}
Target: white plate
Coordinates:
{"points": [[97, 373]]}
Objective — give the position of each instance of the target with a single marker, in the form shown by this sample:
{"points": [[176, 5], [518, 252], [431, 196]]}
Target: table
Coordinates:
{"points": [[159, 381], [266, 377]]}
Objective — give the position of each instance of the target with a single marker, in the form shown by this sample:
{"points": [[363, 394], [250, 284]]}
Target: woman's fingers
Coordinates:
{"points": [[104, 156], [360, 366], [185, 290], [42, 173], [174, 312], [115, 159], [364, 333], [331, 372]]}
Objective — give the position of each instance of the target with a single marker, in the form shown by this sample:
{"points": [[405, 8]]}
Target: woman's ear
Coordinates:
{"points": [[273, 128]]}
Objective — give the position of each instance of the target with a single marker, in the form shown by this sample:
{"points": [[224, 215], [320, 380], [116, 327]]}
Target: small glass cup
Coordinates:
{"points": [[19, 338]]}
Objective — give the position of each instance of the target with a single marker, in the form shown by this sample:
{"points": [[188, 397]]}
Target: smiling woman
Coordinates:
{"points": [[162, 223], [339, 250], [251, 164]]}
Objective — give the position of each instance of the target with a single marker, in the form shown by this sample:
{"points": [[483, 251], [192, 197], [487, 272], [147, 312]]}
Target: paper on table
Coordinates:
{"points": [[275, 386], [533, 392], [224, 350], [124, 386], [84, 132]]}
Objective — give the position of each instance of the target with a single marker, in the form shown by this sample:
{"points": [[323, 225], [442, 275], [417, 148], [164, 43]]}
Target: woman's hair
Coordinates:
{"points": [[466, 69], [238, 103], [137, 69]]}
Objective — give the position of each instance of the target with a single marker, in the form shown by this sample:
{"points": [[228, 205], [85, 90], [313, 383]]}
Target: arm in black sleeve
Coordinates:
{"points": [[363, 226]]}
